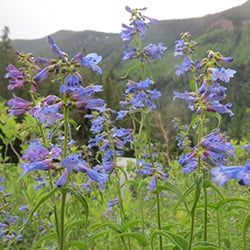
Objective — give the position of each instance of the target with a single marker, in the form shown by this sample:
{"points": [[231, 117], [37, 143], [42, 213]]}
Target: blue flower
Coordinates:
{"points": [[137, 26], [44, 165], [48, 113], [91, 61], [18, 105], [71, 83], [213, 149], [152, 185], [222, 74], [42, 75], [224, 173], [154, 51], [180, 47], [35, 152], [184, 67], [54, 48], [18, 77]]}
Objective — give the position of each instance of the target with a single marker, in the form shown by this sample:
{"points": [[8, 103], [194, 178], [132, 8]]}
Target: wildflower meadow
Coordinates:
{"points": [[82, 192]]}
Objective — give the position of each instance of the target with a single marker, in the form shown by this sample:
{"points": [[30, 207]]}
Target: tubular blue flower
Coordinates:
{"points": [[152, 185], [48, 114], [220, 108], [130, 53], [222, 74], [121, 114], [42, 60], [35, 152], [73, 162], [224, 173], [100, 178], [226, 59], [54, 48], [188, 161], [18, 77], [207, 98], [44, 165], [113, 202], [189, 97], [137, 95], [217, 149], [108, 166], [42, 75], [13, 72], [18, 105], [63, 178], [180, 47], [127, 32], [184, 67], [154, 51], [244, 175], [97, 124], [91, 61], [91, 103], [137, 25], [213, 149], [71, 83]]}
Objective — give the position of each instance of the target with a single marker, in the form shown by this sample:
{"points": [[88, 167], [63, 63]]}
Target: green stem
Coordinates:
{"points": [[142, 213], [159, 216], [61, 240], [205, 213], [197, 182], [218, 223], [66, 130]]}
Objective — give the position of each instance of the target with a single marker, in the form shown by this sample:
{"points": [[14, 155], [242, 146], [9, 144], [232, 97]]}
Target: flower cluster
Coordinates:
{"points": [[212, 149], [109, 139], [52, 110], [138, 95], [137, 29], [153, 168], [205, 99], [208, 92]]}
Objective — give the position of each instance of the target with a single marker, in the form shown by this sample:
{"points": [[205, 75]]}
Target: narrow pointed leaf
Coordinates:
{"points": [[178, 241]]}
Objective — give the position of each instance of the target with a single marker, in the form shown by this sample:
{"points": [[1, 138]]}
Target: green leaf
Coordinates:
{"points": [[44, 198], [44, 239], [205, 248], [129, 224], [100, 234], [72, 224], [80, 198], [170, 187], [79, 244], [183, 197], [245, 229], [112, 226], [205, 245], [142, 240], [175, 238]]}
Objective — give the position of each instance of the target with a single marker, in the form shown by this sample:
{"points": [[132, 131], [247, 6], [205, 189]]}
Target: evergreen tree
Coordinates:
{"points": [[7, 55]]}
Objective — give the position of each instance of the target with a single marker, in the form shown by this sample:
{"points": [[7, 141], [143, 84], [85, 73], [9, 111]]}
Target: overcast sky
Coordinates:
{"points": [[31, 19]]}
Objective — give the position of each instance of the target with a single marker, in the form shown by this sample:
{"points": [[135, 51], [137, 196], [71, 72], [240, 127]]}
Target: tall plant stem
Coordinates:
{"points": [[159, 217], [61, 240], [142, 212], [218, 223], [205, 212], [198, 182]]}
